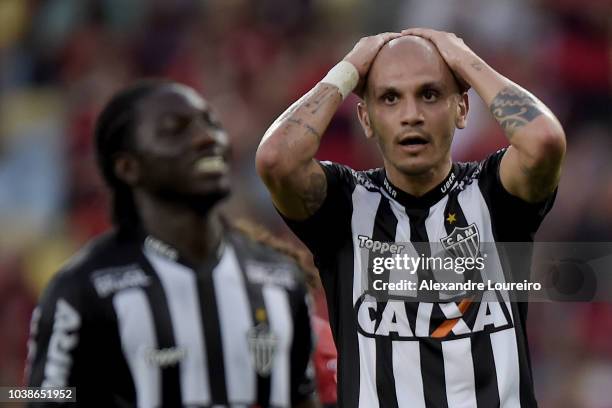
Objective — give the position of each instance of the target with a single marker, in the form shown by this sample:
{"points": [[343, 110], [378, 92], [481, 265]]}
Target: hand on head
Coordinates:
{"points": [[452, 49]]}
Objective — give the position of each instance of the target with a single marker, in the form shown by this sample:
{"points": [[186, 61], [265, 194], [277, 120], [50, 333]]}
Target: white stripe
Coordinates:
{"points": [[281, 323], [505, 354], [406, 354], [365, 205], [235, 320], [476, 211], [402, 234], [407, 374], [137, 334], [180, 286], [459, 373]]}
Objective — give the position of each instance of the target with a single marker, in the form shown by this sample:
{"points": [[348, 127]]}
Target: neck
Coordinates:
{"points": [[194, 235], [418, 184]]}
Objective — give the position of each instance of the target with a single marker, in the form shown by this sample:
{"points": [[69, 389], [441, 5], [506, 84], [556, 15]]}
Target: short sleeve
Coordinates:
{"points": [[324, 231], [514, 219]]}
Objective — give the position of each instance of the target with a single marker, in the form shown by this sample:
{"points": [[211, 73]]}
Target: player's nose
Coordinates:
{"points": [[411, 114], [205, 137]]}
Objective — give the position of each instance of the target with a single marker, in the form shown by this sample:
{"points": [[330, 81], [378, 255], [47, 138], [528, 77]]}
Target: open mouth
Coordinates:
{"points": [[211, 164], [413, 141]]}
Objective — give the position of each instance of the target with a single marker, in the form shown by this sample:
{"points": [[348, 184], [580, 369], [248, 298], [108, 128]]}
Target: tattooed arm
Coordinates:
{"points": [[285, 157], [531, 167]]}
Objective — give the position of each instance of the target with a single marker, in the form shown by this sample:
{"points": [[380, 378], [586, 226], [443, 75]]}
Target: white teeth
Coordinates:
{"points": [[214, 164]]}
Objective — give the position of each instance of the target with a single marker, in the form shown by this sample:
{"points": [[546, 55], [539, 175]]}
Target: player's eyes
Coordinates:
{"points": [[175, 124], [390, 98], [430, 95]]}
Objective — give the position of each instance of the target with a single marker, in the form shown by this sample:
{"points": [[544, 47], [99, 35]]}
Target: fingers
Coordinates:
{"points": [[386, 37]]}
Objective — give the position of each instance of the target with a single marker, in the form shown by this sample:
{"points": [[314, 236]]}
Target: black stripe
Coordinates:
{"points": [[485, 377], [346, 334], [212, 335], [170, 375], [432, 372], [453, 209], [256, 302], [385, 226], [432, 361]]}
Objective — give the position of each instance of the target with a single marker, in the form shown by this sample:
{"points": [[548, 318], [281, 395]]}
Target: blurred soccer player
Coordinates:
{"points": [[417, 354], [173, 307]]}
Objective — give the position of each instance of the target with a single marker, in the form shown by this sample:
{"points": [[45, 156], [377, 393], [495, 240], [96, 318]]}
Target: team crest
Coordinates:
{"points": [[463, 242], [262, 345]]}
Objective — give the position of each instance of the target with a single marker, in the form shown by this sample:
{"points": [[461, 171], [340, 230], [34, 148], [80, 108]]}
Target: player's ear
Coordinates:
{"points": [[127, 168], [463, 106], [364, 119]]}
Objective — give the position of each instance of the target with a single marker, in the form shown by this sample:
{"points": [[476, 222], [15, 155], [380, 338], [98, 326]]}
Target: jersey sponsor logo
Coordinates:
{"points": [[262, 346], [161, 248], [463, 242], [112, 280], [265, 273], [64, 339], [393, 320], [389, 189], [165, 357], [448, 183]]}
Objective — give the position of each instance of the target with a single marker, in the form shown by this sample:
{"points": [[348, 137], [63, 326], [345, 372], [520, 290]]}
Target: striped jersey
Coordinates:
{"points": [[130, 322], [398, 353]]}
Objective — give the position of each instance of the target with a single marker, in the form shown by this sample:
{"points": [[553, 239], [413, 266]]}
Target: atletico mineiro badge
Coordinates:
{"points": [[262, 344], [463, 242]]}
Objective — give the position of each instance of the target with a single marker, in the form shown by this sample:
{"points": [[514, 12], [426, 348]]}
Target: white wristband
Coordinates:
{"points": [[344, 76]]}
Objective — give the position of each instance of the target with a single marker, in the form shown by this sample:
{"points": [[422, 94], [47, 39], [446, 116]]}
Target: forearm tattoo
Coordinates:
{"points": [[306, 126], [319, 97], [314, 194], [312, 102], [513, 109]]}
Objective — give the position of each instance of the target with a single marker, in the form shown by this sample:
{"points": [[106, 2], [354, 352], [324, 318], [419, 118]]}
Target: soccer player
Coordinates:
{"points": [[416, 354], [174, 306]]}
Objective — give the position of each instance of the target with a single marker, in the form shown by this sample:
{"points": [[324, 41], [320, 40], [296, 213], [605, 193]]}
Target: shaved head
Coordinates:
{"points": [[413, 55]]}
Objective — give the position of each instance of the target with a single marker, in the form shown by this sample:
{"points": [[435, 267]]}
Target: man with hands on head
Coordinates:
{"points": [[413, 87]]}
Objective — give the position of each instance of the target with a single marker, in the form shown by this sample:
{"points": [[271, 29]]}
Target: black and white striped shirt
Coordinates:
{"points": [[420, 354], [129, 322]]}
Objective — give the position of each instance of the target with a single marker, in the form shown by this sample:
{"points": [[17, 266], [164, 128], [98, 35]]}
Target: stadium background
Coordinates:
{"points": [[61, 59]]}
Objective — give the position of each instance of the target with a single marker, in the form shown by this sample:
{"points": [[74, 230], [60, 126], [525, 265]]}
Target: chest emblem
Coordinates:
{"points": [[262, 346], [463, 242]]}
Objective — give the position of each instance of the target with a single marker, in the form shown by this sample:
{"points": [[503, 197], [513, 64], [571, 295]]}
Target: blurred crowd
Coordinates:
{"points": [[60, 60]]}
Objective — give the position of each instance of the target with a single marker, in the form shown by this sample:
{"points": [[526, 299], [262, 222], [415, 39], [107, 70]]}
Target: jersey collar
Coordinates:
{"points": [[160, 248], [426, 200]]}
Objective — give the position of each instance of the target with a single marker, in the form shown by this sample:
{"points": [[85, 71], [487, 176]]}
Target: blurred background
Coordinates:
{"points": [[60, 60]]}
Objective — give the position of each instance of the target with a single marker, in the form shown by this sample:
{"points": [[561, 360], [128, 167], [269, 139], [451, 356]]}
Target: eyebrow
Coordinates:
{"points": [[441, 86], [384, 89]]}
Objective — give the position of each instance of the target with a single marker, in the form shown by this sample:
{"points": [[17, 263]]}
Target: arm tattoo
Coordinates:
{"points": [[513, 109], [313, 196], [319, 97], [477, 65], [306, 126]]}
